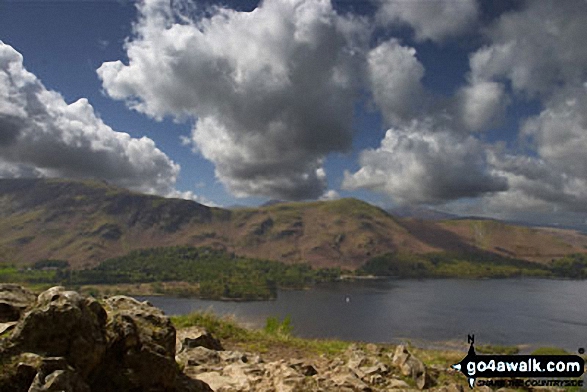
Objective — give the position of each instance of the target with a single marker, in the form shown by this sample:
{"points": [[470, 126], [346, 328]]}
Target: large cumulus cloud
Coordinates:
{"points": [[540, 51], [272, 90], [535, 52], [395, 77], [42, 135], [419, 164], [431, 152]]}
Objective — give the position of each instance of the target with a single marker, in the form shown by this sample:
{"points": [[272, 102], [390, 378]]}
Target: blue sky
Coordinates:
{"points": [[471, 107]]}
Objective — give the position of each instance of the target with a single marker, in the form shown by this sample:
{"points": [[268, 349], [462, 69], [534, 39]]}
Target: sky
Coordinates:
{"points": [[471, 107]]}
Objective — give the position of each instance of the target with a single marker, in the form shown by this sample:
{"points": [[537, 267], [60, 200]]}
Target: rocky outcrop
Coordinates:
{"points": [[13, 301], [410, 366], [63, 341], [358, 369]]}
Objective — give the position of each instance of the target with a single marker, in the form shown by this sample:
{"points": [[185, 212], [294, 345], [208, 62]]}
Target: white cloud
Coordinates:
{"points": [[330, 194], [418, 164], [557, 175], [435, 20], [190, 195], [272, 89], [559, 132], [540, 50], [43, 136], [395, 76], [480, 105]]}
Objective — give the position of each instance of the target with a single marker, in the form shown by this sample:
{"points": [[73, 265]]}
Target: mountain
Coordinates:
{"points": [[424, 213], [86, 222]]}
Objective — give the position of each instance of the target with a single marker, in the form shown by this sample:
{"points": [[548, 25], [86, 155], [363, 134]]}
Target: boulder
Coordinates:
{"points": [[8, 326], [14, 299], [198, 356], [140, 346], [184, 383], [237, 356], [198, 337], [67, 342], [55, 374], [411, 366], [303, 367], [65, 324], [349, 381], [397, 384], [286, 379], [235, 377]]}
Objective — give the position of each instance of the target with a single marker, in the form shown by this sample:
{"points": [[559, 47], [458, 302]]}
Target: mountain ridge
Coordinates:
{"points": [[86, 222]]}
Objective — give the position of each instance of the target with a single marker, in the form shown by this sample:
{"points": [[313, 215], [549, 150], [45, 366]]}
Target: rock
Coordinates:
{"points": [[198, 356], [141, 345], [286, 379], [400, 356], [396, 384], [349, 381], [218, 382], [303, 367], [64, 324], [184, 383], [5, 327], [373, 349], [235, 356], [199, 337], [14, 299], [357, 358], [233, 377], [18, 372], [379, 368], [56, 375], [67, 342], [410, 366], [450, 388]]}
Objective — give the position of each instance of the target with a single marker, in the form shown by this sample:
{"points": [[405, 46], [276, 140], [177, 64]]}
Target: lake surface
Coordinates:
{"points": [[531, 312]]}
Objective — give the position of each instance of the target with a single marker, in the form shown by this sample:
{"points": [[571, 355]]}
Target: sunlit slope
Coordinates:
{"points": [[86, 222], [344, 232], [540, 244]]}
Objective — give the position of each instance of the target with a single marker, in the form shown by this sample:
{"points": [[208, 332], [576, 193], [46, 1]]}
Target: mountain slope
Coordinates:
{"points": [[540, 244], [86, 222]]}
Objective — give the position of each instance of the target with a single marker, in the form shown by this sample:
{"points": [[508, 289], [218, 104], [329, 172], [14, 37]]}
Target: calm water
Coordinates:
{"points": [[525, 311]]}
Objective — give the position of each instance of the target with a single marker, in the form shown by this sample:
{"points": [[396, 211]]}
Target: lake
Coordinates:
{"points": [[532, 312]]}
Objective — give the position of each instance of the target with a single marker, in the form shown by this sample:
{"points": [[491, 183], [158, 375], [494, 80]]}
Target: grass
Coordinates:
{"points": [[275, 336], [550, 351], [497, 349]]}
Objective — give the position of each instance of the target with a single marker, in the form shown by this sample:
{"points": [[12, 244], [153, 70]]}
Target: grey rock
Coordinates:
{"points": [[397, 384], [14, 299], [64, 324], [199, 337], [410, 366], [303, 367], [141, 345], [56, 375], [67, 342], [198, 356]]}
